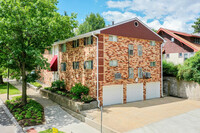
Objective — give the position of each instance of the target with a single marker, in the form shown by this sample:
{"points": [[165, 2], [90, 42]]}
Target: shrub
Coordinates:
{"points": [[36, 84], [58, 84], [78, 90], [169, 69], [86, 98], [50, 89], [190, 71]]}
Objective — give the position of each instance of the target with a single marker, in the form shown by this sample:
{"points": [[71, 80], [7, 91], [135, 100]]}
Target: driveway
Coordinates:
{"points": [[137, 115]]}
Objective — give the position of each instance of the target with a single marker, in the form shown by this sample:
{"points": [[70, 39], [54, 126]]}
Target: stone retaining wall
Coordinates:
{"points": [[180, 88], [68, 103]]}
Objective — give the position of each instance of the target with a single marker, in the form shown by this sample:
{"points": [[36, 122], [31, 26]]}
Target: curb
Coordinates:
{"points": [[19, 128]]}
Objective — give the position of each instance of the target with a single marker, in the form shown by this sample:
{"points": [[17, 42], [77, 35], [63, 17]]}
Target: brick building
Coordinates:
{"points": [[179, 46], [120, 63]]}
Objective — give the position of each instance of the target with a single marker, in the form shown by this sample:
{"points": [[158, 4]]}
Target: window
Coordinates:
{"points": [[153, 63], [167, 55], [75, 43], [130, 49], [140, 75], [185, 56], [113, 63], [63, 47], [136, 24], [152, 43], [63, 66], [50, 50], [88, 40], [131, 73], [113, 38], [88, 64], [117, 75], [197, 40], [75, 65], [172, 39], [139, 50], [192, 54], [180, 55]]}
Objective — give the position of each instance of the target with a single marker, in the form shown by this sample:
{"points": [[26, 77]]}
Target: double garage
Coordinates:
{"points": [[113, 94]]}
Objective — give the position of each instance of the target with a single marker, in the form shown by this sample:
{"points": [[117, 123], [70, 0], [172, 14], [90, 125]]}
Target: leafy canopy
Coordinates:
{"points": [[92, 22], [196, 26]]}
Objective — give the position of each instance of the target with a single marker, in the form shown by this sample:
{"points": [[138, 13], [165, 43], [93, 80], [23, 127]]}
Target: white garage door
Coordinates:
{"points": [[134, 92], [152, 90], [112, 94]]}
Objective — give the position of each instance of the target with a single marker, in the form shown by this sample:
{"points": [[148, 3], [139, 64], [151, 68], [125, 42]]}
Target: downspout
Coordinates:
{"points": [[162, 68], [97, 69]]}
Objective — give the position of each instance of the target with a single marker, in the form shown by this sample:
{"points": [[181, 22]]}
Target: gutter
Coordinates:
{"points": [[97, 69]]}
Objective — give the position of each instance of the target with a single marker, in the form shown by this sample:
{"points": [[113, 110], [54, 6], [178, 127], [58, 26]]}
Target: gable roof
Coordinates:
{"points": [[103, 30], [195, 47]]}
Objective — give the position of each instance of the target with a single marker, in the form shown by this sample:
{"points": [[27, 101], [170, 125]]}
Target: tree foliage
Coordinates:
{"points": [[92, 22], [27, 28], [190, 71], [196, 26], [169, 69]]}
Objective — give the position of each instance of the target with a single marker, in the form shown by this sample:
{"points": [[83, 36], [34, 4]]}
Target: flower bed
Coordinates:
{"points": [[67, 102], [30, 114]]}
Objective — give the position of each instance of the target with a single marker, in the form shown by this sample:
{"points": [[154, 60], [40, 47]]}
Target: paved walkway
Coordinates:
{"points": [[6, 125], [186, 123], [55, 116]]}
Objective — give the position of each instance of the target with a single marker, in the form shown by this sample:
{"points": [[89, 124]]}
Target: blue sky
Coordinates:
{"points": [[177, 15]]}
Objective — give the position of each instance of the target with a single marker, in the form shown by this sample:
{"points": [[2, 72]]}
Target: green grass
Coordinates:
{"points": [[12, 89], [36, 84], [50, 131]]}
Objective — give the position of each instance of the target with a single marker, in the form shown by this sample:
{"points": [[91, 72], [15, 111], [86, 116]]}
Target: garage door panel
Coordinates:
{"points": [[134, 92], [112, 94], [152, 90]]}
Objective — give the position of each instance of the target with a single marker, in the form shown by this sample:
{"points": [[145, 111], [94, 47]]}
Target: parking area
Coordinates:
{"points": [[130, 116]]}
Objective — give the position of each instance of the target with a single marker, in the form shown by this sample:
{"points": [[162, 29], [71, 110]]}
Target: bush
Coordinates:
{"points": [[190, 71], [78, 90], [169, 69], [50, 89], [36, 84], [86, 98], [58, 85]]}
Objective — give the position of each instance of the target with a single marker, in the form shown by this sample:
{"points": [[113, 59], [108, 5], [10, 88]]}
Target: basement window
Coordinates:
{"points": [[112, 38]]}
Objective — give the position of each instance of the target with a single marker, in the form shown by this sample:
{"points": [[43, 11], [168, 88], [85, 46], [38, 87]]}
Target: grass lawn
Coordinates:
{"points": [[12, 89]]}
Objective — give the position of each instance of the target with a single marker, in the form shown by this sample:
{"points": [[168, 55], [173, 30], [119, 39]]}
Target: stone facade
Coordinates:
{"points": [[107, 51]]}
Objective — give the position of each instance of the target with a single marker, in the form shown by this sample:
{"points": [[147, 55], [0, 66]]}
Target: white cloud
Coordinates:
{"points": [[177, 15]]}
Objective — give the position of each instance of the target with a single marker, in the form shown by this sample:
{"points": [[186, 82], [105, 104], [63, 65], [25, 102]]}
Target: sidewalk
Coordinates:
{"points": [[55, 116]]}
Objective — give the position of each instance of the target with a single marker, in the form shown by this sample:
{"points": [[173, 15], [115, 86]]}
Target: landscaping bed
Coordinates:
{"points": [[12, 90], [30, 114]]}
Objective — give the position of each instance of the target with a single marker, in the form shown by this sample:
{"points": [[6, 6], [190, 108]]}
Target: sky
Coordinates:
{"points": [[171, 14]]}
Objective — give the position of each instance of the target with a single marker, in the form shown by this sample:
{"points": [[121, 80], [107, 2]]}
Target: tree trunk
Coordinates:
{"points": [[24, 96], [1, 79]]}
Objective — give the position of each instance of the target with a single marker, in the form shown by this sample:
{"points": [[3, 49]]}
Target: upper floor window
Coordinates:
{"points": [[63, 47], [75, 43], [75, 65], [88, 40], [130, 73], [152, 43], [88, 64], [112, 38], [167, 55], [63, 66], [140, 74], [113, 63], [197, 40], [139, 50], [153, 63], [130, 49], [172, 39], [180, 55]]}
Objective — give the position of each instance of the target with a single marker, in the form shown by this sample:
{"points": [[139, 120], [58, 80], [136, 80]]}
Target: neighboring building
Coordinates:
{"points": [[179, 46], [129, 62]]}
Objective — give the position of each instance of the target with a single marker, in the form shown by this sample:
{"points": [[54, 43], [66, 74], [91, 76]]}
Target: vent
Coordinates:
{"points": [[136, 23]]}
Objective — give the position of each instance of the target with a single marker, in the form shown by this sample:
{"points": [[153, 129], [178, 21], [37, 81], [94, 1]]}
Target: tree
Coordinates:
{"points": [[27, 28], [92, 22], [196, 26]]}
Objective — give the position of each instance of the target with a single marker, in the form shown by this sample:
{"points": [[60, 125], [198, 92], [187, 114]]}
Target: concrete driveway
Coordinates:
{"points": [[138, 115]]}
